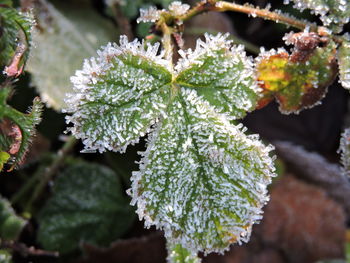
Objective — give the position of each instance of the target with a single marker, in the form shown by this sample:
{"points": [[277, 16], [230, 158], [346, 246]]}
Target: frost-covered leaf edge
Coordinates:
{"points": [[242, 234], [327, 11], [178, 254], [95, 67], [244, 83], [343, 56]]}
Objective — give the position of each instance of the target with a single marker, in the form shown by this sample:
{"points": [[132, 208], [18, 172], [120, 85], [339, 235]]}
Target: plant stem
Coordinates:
{"points": [[26, 187], [122, 21], [167, 41], [222, 6], [277, 16], [50, 171]]}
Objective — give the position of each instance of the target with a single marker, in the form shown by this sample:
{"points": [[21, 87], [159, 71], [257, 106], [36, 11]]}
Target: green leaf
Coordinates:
{"points": [[126, 85], [87, 206], [344, 64], [333, 13], [10, 224], [7, 3], [201, 179], [178, 254], [297, 81], [5, 256], [4, 157], [23, 126], [15, 37], [222, 74], [63, 38]]}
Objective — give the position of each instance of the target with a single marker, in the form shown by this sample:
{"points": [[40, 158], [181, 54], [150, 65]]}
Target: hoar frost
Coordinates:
{"points": [[201, 179], [332, 12], [150, 14], [176, 8]]}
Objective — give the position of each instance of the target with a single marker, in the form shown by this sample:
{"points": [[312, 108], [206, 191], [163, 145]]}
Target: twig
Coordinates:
{"points": [[276, 16], [122, 21], [25, 251], [167, 41], [223, 6]]}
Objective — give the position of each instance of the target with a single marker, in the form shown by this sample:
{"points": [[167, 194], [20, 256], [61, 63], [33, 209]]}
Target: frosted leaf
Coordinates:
{"points": [[333, 13], [178, 254], [344, 150], [344, 64], [176, 8], [151, 14], [201, 179], [223, 74], [298, 80], [118, 95]]}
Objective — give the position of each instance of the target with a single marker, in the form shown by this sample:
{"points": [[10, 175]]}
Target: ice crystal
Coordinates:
{"points": [[298, 80], [334, 13], [176, 8], [227, 75], [178, 254], [122, 85], [201, 179], [151, 14], [344, 64]]}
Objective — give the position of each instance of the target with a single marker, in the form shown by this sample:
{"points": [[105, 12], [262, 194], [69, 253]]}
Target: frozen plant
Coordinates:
{"points": [[201, 180]]}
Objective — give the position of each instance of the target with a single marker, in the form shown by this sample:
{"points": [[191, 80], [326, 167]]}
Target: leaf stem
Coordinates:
{"points": [[123, 22], [50, 171], [222, 6], [276, 16], [167, 41]]}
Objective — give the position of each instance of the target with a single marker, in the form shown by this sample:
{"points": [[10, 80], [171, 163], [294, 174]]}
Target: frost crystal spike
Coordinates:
{"points": [[201, 179], [333, 13], [344, 64], [221, 73], [150, 14], [176, 8], [118, 96]]}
